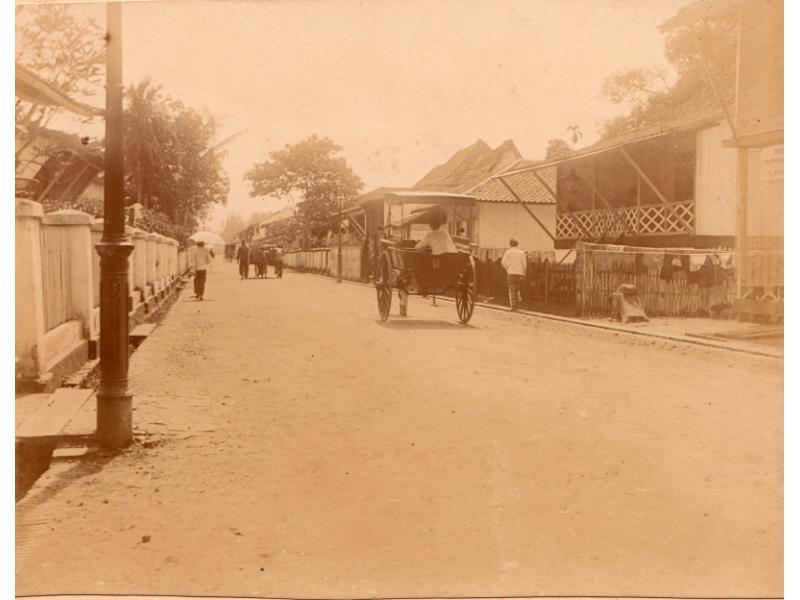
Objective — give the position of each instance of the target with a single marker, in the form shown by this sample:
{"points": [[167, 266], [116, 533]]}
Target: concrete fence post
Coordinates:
{"points": [[162, 261], [132, 300], [139, 262], [173, 259], [159, 262], [81, 284], [29, 292], [150, 273]]}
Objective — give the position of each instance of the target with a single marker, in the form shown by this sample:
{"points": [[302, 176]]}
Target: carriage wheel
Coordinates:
{"points": [[383, 288], [465, 292]]}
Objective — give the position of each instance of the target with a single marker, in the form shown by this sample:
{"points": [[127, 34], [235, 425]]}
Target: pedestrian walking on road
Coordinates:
{"points": [[200, 258], [243, 255], [515, 263]]}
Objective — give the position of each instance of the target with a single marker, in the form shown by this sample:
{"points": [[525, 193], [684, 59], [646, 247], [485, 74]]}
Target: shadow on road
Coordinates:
{"points": [[421, 324]]}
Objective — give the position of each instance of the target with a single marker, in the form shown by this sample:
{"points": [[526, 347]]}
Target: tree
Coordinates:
{"points": [[701, 46], [575, 133], [172, 165], [557, 148], [65, 50], [313, 170], [635, 85]]}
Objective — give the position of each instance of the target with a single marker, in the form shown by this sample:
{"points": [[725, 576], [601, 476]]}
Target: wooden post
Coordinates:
{"points": [[528, 210], [638, 204], [546, 280], [741, 225], [655, 190], [339, 250]]}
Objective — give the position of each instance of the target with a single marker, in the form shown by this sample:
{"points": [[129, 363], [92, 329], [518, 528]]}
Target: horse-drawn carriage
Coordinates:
{"points": [[411, 271]]}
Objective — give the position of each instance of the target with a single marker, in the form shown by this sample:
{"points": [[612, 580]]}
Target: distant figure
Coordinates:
{"points": [[200, 259], [134, 214], [278, 262], [515, 263], [243, 255], [438, 239]]}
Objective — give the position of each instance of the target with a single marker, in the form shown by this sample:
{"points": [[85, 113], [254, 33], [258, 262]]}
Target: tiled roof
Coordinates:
{"points": [[469, 166], [525, 185], [280, 215], [375, 194]]}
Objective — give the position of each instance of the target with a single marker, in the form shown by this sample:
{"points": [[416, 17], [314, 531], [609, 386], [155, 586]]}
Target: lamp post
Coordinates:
{"points": [[114, 401]]}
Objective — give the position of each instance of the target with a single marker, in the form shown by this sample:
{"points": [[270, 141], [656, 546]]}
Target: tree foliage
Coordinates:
{"points": [[698, 49], [66, 50], [312, 169], [635, 85], [171, 164], [557, 148]]}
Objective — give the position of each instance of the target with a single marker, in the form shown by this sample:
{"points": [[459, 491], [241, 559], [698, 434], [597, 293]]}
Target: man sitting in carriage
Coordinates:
{"points": [[438, 238]]}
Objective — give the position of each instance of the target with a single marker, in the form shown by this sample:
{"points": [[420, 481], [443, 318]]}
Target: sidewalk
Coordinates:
{"points": [[291, 445]]}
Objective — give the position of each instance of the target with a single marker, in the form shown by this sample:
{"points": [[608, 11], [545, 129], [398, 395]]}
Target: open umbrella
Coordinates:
{"points": [[210, 238]]}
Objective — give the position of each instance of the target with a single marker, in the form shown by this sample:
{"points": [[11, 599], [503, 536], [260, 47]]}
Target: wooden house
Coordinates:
{"points": [[520, 205], [669, 185]]}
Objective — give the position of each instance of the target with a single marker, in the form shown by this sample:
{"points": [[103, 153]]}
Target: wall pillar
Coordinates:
{"points": [[29, 292], [139, 263], [150, 273]]}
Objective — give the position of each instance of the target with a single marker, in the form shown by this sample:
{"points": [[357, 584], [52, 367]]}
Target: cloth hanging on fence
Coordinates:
{"points": [[696, 261], [668, 268], [648, 260]]}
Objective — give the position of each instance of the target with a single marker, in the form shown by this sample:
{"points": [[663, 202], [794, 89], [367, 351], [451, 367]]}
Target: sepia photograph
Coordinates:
{"points": [[398, 299]]}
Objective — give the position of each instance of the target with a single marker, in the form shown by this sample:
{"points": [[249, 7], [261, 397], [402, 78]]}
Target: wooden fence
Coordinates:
{"points": [[548, 285], [684, 292], [56, 276], [581, 288], [323, 261]]}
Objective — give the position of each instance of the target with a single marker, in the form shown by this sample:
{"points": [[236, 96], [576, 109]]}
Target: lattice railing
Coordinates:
{"points": [[656, 219]]}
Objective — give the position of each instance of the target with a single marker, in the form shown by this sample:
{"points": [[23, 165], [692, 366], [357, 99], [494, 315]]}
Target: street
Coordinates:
{"points": [[291, 444]]}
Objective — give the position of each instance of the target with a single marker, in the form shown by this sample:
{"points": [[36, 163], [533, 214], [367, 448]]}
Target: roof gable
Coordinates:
{"points": [[469, 166]]}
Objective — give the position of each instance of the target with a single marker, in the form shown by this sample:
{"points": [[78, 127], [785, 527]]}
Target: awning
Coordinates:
{"points": [[426, 197], [32, 88]]}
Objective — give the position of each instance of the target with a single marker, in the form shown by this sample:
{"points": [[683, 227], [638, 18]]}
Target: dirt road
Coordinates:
{"points": [[298, 447]]}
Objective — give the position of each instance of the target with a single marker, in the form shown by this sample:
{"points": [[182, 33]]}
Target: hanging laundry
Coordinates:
{"points": [[668, 268], [696, 261]]}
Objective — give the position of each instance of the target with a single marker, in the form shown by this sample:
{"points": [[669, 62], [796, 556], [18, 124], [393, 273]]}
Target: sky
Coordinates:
{"points": [[400, 85]]}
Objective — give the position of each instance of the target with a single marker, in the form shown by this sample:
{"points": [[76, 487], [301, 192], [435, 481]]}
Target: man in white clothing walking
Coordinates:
{"points": [[199, 258], [515, 263]]}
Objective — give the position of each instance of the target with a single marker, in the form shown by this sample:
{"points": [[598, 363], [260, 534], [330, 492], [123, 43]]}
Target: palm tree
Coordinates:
{"points": [[575, 132], [143, 128]]}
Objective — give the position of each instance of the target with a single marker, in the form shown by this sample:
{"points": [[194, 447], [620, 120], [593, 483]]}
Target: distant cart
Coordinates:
{"points": [[412, 271], [264, 255]]}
